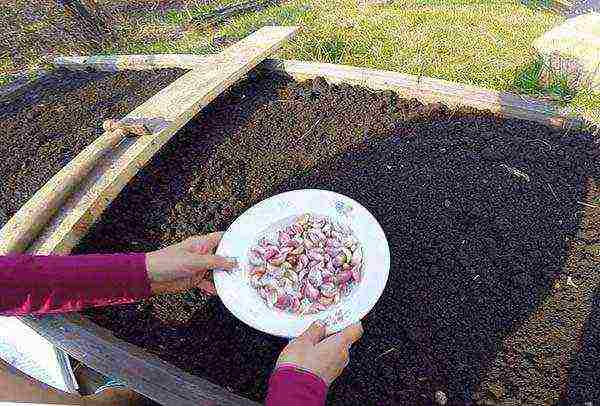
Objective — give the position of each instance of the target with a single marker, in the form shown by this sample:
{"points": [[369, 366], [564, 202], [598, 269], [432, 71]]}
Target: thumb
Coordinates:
{"points": [[313, 334], [213, 262]]}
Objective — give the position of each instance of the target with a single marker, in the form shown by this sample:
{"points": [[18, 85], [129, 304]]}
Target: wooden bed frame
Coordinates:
{"points": [[74, 210]]}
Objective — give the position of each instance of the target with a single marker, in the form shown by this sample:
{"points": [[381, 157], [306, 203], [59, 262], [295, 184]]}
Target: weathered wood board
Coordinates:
{"points": [[431, 90], [112, 63]]}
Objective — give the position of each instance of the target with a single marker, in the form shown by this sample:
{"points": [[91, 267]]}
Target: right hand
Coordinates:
{"points": [[325, 357]]}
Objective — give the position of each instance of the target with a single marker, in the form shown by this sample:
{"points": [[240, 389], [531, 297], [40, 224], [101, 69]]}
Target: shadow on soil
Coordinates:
{"points": [[476, 210], [584, 377]]}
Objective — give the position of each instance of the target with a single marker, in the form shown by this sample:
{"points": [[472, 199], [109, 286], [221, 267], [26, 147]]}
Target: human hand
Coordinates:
{"points": [[325, 357], [186, 265]]}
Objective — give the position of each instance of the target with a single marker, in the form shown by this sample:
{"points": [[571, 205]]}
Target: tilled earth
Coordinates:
{"points": [[56, 118], [493, 226]]}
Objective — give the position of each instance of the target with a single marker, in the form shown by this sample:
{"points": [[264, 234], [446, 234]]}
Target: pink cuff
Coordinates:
{"points": [[292, 386]]}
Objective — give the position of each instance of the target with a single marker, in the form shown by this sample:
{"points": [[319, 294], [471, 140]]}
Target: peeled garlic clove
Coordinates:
{"points": [[347, 255], [337, 298], [356, 257], [308, 244], [286, 265]]}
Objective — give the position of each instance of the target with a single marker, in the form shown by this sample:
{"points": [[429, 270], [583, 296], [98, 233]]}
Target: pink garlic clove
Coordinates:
{"points": [[304, 259], [328, 289], [311, 292], [270, 253], [356, 274], [337, 298], [293, 243], [331, 267], [284, 238], [254, 258], [315, 277], [314, 255], [298, 250], [332, 242], [277, 260], [308, 244], [344, 277], [264, 243], [283, 302], [302, 274]]}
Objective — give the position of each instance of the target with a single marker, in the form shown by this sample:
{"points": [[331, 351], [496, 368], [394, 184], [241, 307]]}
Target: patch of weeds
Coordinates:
{"points": [[187, 14], [536, 80], [287, 14]]}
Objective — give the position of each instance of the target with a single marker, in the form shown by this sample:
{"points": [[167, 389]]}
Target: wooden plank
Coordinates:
{"points": [[99, 349], [113, 63], [431, 90], [21, 83], [31, 218], [163, 114]]}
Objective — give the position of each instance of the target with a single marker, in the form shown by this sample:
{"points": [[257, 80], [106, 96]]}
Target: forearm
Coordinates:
{"points": [[50, 284], [289, 386]]}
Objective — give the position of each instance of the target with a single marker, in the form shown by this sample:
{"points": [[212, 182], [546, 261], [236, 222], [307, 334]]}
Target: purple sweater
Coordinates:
{"points": [[53, 284]]}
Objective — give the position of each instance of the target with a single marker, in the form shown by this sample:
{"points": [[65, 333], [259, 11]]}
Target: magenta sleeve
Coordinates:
{"points": [[50, 284], [290, 386]]}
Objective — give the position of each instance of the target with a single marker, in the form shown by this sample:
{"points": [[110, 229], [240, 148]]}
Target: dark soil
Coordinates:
{"points": [[482, 215], [56, 118]]}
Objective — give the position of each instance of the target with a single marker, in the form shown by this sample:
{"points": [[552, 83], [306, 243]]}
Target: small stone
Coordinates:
{"points": [[440, 398]]}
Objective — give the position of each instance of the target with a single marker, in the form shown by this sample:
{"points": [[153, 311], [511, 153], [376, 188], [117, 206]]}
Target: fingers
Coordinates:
{"points": [[352, 333], [203, 244], [213, 262], [313, 334], [345, 338], [207, 287]]}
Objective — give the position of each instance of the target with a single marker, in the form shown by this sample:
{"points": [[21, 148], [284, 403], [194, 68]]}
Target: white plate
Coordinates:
{"points": [[244, 301]]}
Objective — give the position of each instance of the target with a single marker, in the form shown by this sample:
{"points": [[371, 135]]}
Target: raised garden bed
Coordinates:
{"points": [[491, 219], [52, 120], [477, 208]]}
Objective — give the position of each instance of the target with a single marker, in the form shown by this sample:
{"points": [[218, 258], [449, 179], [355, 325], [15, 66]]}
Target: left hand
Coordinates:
{"points": [[186, 265]]}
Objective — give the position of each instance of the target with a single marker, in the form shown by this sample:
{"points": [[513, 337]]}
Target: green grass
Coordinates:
{"points": [[484, 43]]}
